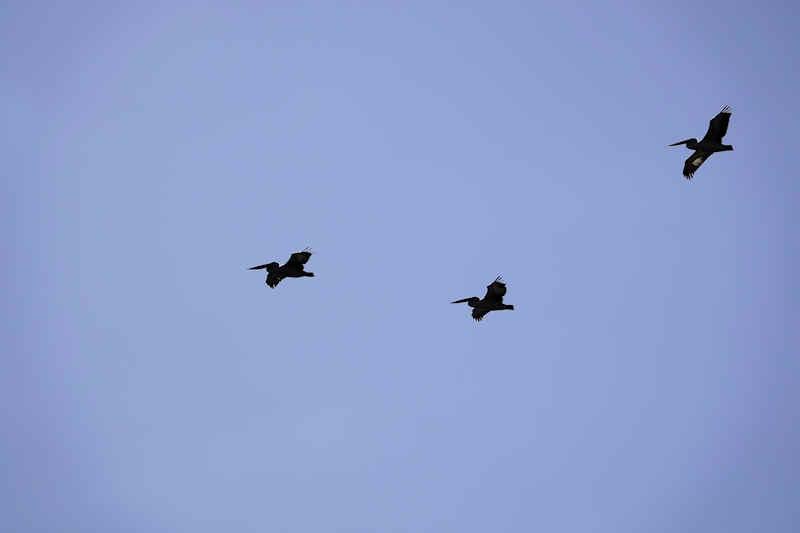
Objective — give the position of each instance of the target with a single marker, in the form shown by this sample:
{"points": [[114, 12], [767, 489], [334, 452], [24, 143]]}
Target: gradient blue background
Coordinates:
{"points": [[647, 380]]}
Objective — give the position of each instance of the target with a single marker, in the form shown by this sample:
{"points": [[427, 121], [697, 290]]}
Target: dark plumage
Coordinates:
{"points": [[712, 142], [293, 268], [493, 301]]}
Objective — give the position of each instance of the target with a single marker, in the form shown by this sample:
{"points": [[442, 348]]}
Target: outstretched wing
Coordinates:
{"points": [[273, 278], [478, 314], [693, 163], [718, 126], [495, 291], [299, 259]]}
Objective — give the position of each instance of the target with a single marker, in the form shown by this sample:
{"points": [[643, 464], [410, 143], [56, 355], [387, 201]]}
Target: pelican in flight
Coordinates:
{"points": [[712, 142], [493, 301], [293, 268]]}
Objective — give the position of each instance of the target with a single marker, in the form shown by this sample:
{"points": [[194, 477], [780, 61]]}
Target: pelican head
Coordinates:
{"points": [[690, 143], [470, 300]]}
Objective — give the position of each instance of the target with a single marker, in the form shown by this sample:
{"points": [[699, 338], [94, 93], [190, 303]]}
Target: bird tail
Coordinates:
{"points": [[510, 307]]}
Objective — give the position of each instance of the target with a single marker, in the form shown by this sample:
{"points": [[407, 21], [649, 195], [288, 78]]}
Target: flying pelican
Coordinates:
{"points": [[293, 268], [493, 301], [712, 142]]}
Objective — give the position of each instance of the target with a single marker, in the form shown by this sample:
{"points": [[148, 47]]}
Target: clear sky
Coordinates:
{"points": [[646, 382]]}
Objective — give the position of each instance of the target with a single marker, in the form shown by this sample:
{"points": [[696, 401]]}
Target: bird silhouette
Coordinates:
{"points": [[293, 268], [712, 142], [493, 301]]}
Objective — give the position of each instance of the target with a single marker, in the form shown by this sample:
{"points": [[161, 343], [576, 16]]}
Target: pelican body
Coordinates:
{"points": [[293, 268], [493, 301], [709, 144]]}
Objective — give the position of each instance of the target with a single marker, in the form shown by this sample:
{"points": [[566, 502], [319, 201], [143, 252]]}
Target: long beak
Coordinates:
{"points": [[460, 301], [679, 143]]}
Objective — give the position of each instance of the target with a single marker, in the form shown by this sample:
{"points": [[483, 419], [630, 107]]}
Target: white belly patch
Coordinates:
{"points": [[697, 161]]}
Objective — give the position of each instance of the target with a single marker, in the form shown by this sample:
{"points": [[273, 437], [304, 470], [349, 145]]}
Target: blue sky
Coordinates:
{"points": [[646, 381]]}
